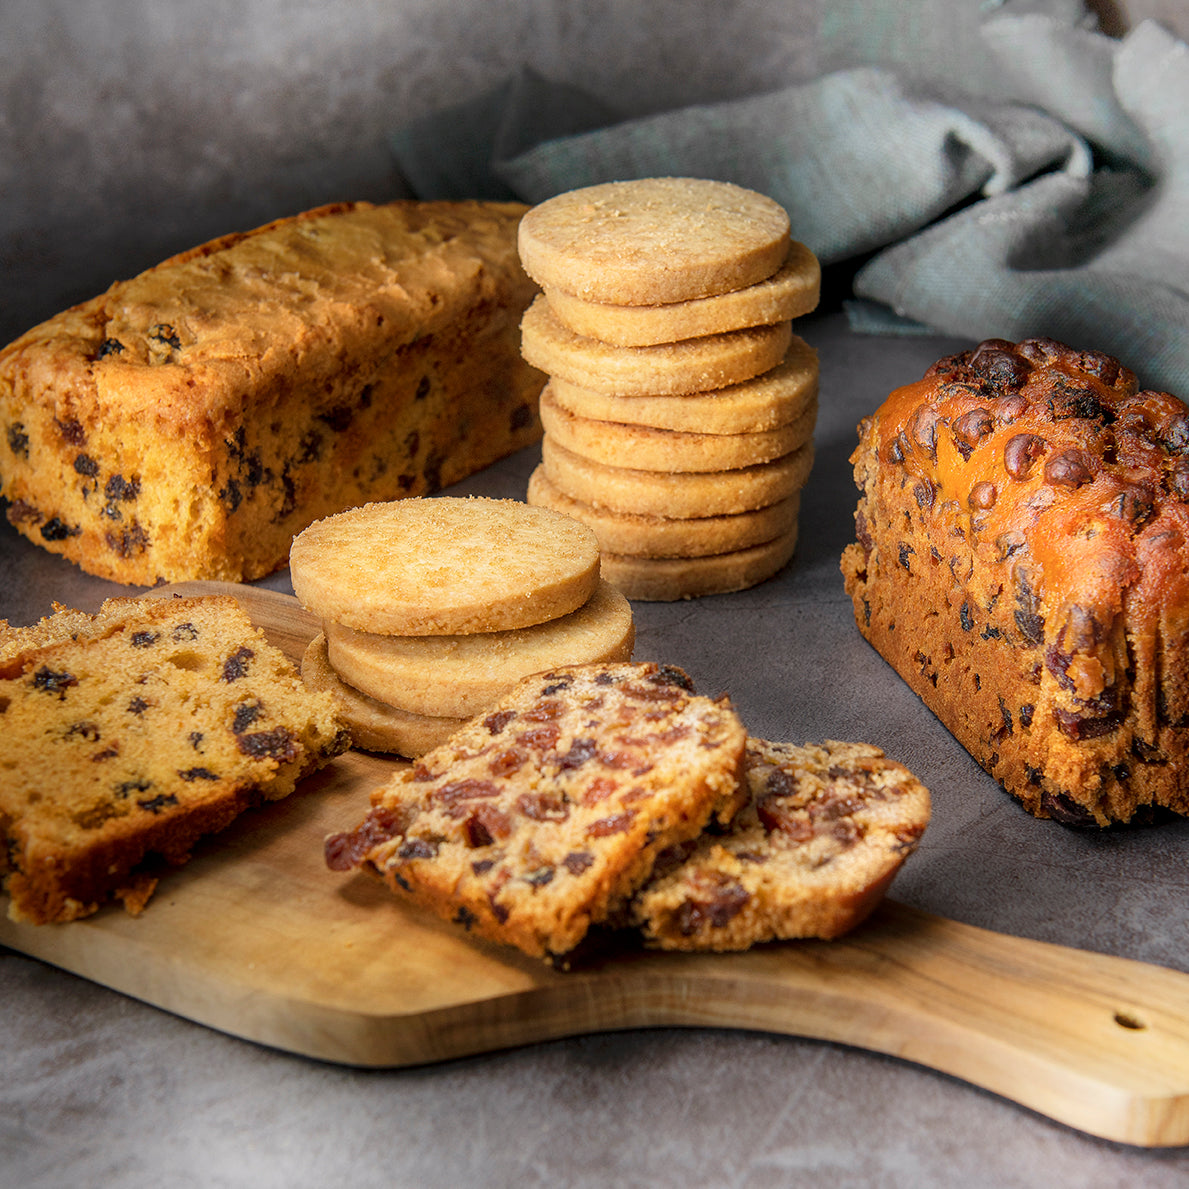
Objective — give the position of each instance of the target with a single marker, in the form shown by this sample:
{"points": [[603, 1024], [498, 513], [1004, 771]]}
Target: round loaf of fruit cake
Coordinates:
{"points": [[1023, 562], [822, 836], [540, 818]]}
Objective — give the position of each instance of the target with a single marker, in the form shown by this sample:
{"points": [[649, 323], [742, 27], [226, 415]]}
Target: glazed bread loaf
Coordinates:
{"points": [[1023, 562], [132, 733], [188, 422]]}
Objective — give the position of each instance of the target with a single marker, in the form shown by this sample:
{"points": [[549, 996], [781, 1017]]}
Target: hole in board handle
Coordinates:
{"points": [[1127, 1020]]}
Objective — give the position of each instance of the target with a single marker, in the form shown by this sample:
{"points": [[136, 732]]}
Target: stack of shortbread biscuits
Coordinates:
{"points": [[432, 609], [680, 407]]}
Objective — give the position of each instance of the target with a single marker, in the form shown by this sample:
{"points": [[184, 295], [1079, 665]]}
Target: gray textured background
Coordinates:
{"points": [[130, 129]]}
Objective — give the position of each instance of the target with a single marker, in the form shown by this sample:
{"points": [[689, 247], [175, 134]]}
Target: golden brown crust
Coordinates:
{"points": [[190, 420], [1037, 501]]}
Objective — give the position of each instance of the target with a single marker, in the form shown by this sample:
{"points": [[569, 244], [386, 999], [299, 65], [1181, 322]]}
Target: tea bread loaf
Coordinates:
{"points": [[540, 818], [823, 834], [189, 421], [1023, 562], [127, 736]]}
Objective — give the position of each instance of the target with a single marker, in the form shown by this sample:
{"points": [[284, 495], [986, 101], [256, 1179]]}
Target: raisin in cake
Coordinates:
{"points": [[825, 830], [1023, 563], [189, 421], [540, 818], [128, 735]]}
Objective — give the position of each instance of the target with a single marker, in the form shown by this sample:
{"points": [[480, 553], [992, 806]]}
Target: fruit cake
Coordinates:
{"points": [[128, 735], [189, 421], [541, 817], [824, 832], [1023, 563]]}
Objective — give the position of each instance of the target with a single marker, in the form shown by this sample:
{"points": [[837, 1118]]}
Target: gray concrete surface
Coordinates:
{"points": [[133, 128]]}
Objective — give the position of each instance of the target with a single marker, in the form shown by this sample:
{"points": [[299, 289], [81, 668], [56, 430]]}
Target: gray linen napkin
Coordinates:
{"points": [[1032, 179]]}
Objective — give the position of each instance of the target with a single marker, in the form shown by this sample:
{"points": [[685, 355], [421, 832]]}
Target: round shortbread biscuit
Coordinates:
{"points": [[445, 565], [374, 725], [678, 496], [695, 365], [653, 240], [648, 449], [665, 579], [449, 676], [663, 536], [764, 402], [791, 291]]}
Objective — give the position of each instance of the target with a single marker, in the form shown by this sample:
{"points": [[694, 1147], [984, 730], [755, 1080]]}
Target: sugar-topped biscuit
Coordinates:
{"points": [[444, 565], [793, 290], [653, 240], [825, 829], [674, 494], [692, 365], [774, 398], [542, 817], [649, 449], [666, 579], [457, 676], [374, 725], [664, 536]]}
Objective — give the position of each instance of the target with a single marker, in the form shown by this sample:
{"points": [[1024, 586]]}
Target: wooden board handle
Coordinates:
{"points": [[1097, 1042]]}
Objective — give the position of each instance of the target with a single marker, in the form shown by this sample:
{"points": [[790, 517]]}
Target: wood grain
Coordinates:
{"points": [[255, 937]]}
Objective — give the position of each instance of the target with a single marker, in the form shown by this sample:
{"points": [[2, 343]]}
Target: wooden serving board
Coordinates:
{"points": [[257, 938]]}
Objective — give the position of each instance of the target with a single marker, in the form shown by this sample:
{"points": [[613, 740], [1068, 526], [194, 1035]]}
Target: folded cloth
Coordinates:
{"points": [[997, 170]]}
